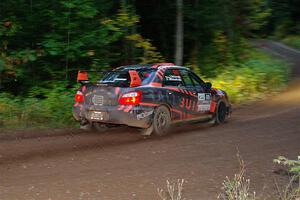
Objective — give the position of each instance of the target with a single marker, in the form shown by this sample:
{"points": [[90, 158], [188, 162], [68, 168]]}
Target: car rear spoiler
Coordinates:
{"points": [[82, 76], [135, 80]]}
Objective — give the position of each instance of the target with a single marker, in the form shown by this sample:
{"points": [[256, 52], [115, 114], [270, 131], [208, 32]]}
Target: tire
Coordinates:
{"points": [[86, 127], [220, 114], [161, 121], [99, 127]]}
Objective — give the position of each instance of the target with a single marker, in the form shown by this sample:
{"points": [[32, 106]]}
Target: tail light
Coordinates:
{"points": [[132, 98], [79, 98]]}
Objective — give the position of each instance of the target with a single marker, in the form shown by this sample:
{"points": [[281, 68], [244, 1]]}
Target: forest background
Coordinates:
{"points": [[44, 43]]}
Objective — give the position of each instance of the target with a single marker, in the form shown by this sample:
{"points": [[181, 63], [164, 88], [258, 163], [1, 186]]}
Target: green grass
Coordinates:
{"points": [[256, 77], [54, 111]]}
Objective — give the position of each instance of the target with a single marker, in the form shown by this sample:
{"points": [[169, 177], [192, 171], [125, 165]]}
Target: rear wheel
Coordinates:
{"points": [[99, 127], [86, 127], [160, 123]]}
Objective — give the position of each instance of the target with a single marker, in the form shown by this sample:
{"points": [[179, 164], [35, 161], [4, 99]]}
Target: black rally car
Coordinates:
{"points": [[149, 97]]}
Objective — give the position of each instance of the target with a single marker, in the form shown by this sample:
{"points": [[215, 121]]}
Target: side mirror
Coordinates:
{"points": [[208, 85]]}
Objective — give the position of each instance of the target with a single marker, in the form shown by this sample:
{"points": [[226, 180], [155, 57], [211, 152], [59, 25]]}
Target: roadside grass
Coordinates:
{"points": [[174, 191], [238, 187], [292, 190], [259, 75], [52, 110], [293, 41]]}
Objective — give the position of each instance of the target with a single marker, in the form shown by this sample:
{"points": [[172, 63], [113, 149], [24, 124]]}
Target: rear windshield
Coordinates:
{"points": [[121, 78]]}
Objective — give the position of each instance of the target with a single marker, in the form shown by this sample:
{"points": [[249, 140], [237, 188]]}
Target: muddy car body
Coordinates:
{"points": [[149, 97]]}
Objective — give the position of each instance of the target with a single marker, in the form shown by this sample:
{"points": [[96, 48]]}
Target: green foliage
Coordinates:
{"points": [[285, 18], [149, 53], [256, 76], [53, 109], [237, 188], [52, 39], [80, 38], [290, 192], [293, 165], [260, 12]]}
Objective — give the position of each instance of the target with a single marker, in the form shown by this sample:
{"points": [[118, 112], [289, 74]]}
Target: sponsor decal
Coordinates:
{"points": [[98, 100], [173, 78], [207, 97], [204, 108], [220, 92], [201, 96], [162, 67], [204, 101], [144, 114]]}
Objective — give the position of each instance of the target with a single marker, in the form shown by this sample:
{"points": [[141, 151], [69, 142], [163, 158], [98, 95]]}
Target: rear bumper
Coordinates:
{"points": [[135, 116]]}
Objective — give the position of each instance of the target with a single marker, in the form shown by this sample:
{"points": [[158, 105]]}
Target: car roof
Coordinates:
{"points": [[149, 66], [134, 67]]}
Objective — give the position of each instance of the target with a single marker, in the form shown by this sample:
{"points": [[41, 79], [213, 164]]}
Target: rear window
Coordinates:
{"points": [[121, 78]]}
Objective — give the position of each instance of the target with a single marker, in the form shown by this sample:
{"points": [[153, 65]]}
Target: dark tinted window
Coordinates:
{"points": [[172, 78], [122, 78], [186, 78], [196, 80]]}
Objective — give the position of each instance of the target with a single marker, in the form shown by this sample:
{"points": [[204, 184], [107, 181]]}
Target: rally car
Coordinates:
{"points": [[148, 97]]}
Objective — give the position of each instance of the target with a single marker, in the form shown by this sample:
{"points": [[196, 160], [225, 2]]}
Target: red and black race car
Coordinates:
{"points": [[149, 97]]}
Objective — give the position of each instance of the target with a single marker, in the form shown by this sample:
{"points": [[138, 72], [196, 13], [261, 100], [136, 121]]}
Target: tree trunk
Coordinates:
{"points": [[179, 33]]}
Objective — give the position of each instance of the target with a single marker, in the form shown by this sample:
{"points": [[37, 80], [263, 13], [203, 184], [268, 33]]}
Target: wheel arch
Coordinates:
{"points": [[166, 105]]}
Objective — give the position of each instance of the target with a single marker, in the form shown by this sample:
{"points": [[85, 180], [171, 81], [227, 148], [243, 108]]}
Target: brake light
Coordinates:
{"points": [[132, 98], [79, 98]]}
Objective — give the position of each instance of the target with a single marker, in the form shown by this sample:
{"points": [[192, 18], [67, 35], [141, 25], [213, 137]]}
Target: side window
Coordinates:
{"points": [[172, 78], [186, 78], [196, 80]]}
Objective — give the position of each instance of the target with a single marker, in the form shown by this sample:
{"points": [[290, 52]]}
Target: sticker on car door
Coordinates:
{"points": [[204, 101]]}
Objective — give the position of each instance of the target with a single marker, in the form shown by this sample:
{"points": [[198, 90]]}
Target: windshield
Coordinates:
{"points": [[121, 78]]}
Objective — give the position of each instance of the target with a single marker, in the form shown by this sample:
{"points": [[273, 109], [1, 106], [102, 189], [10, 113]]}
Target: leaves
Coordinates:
{"points": [[150, 54], [294, 165]]}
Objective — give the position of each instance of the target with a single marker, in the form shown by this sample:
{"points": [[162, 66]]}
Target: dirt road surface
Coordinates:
{"points": [[122, 165]]}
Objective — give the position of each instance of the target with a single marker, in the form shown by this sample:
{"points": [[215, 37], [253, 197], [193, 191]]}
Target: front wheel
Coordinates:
{"points": [[220, 115]]}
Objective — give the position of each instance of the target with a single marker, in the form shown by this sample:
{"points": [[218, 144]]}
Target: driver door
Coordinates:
{"points": [[204, 95]]}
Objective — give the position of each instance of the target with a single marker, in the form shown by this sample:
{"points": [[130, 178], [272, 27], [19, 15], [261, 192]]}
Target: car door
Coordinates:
{"points": [[174, 93], [204, 94], [189, 99], [172, 82]]}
